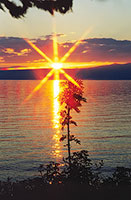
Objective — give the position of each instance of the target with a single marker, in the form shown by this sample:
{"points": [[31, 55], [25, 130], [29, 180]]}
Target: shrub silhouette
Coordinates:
{"points": [[84, 180], [71, 98], [122, 176], [82, 170]]}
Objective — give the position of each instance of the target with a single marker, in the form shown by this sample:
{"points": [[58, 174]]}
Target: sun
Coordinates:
{"points": [[57, 65]]}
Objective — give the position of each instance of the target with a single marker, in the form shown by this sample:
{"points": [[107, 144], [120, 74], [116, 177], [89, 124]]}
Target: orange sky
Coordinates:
{"points": [[108, 40]]}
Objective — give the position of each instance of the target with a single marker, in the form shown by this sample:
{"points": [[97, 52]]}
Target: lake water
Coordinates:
{"points": [[29, 130]]}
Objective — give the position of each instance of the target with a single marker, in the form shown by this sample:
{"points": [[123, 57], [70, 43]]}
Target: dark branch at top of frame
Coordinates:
{"points": [[17, 11]]}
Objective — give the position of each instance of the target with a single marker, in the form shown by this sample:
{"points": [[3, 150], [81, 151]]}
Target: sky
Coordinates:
{"points": [[109, 39]]}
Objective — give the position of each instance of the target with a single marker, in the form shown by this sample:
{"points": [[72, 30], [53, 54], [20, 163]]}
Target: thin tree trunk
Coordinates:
{"points": [[68, 137]]}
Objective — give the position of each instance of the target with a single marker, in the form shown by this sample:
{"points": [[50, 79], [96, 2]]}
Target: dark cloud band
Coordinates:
{"points": [[95, 49]]}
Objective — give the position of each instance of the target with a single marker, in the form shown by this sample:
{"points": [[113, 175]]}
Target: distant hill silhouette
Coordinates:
{"points": [[23, 74], [110, 72], [37, 74]]}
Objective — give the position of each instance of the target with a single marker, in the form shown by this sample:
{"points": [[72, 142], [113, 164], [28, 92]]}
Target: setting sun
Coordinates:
{"points": [[56, 65]]}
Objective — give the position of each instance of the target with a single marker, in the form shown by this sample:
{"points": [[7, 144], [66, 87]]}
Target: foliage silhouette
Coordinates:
{"points": [[120, 177], [83, 181], [20, 10], [71, 97], [82, 171]]}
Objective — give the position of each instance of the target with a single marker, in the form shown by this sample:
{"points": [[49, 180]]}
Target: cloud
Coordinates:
{"points": [[101, 49], [11, 48], [1, 59], [16, 50], [13, 42], [57, 35], [37, 61], [12, 52]]}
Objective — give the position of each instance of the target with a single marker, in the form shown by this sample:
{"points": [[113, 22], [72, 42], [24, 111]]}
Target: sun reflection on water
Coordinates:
{"points": [[56, 104], [56, 117]]}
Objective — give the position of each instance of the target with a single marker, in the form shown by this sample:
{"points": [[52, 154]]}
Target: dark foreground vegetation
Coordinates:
{"points": [[80, 180]]}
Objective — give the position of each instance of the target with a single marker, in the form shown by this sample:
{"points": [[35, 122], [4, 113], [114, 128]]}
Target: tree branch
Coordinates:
{"points": [[61, 6]]}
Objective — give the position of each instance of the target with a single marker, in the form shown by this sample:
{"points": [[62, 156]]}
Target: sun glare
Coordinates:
{"points": [[56, 103], [56, 65], [57, 69], [56, 118]]}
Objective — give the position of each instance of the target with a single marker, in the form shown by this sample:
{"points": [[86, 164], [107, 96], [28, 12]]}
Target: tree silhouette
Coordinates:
{"points": [[18, 11], [71, 96]]}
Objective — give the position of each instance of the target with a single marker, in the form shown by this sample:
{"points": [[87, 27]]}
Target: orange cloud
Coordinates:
{"points": [[38, 61], [1, 59], [12, 52]]}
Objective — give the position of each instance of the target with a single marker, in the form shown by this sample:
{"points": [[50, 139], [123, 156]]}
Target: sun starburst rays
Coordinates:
{"points": [[69, 78], [38, 50], [77, 43], [55, 64], [44, 80]]}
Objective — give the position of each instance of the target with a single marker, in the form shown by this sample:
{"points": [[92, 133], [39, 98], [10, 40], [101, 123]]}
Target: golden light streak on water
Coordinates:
{"points": [[78, 42], [56, 118], [39, 85], [56, 104], [38, 50], [56, 75]]}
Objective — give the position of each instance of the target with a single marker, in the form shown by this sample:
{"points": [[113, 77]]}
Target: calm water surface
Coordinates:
{"points": [[29, 130]]}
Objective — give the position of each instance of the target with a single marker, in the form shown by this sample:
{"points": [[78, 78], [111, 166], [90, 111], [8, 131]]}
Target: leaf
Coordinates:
{"points": [[77, 110], [64, 122], [73, 122], [63, 113], [79, 97], [84, 99], [62, 138], [77, 141], [73, 138]]}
